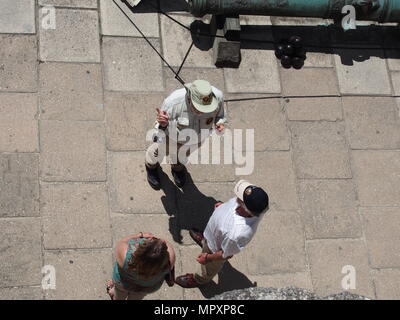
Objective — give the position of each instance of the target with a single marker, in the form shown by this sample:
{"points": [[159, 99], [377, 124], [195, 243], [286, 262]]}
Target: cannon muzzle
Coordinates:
{"points": [[383, 11]]}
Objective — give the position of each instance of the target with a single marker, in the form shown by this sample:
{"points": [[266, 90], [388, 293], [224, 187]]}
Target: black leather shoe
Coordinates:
{"points": [[179, 177], [153, 178], [197, 236]]}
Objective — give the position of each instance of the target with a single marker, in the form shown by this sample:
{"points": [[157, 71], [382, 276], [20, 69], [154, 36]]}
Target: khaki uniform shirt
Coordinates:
{"points": [[182, 117]]}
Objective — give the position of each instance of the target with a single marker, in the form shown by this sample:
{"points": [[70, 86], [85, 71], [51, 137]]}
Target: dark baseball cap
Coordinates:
{"points": [[255, 199]]}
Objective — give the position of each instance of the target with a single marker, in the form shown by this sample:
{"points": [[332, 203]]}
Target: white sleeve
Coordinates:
{"points": [[220, 118], [221, 115], [229, 248]]}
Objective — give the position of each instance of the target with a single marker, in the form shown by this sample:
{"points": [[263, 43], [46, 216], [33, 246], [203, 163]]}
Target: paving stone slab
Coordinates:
{"points": [[129, 189], [115, 23], [22, 236], [327, 259], [72, 151], [270, 135], [320, 150], [17, 16], [222, 170], [382, 168], [90, 4], [128, 119], [329, 209], [75, 38], [75, 216], [387, 282], [19, 122], [166, 293], [124, 225], [214, 76], [381, 227], [130, 64], [18, 67], [398, 106], [314, 109], [21, 293], [258, 73], [365, 75], [309, 82], [283, 280], [19, 196], [396, 82], [80, 274], [176, 41], [71, 92], [70, 3], [372, 122], [320, 58], [280, 236], [274, 173]]}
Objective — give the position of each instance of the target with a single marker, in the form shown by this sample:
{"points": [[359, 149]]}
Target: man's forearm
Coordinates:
{"points": [[217, 256]]}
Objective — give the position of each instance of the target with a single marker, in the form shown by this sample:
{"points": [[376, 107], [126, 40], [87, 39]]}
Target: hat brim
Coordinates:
{"points": [[240, 187], [206, 108]]}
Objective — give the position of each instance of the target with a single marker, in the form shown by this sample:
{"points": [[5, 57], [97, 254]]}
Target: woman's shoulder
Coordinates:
{"points": [[171, 253], [120, 252]]}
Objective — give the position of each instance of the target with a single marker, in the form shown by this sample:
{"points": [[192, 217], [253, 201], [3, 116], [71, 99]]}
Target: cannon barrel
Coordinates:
{"points": [[383, 11]]}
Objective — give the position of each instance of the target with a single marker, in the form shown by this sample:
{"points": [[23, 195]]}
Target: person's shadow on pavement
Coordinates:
{"points": [[189, 208]]}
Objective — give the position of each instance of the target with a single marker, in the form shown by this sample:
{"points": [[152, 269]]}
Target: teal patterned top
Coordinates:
{"points": [[130, 279]]}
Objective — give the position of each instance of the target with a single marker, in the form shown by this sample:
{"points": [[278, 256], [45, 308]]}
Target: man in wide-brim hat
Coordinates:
{"points": [[197, 106]]}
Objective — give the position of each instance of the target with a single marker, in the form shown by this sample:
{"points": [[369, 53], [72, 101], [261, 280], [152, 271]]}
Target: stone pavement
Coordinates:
{"points": [[75, 105]]}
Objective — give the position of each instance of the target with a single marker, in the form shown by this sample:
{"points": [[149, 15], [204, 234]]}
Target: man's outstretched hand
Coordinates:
{"points": [[162, 118], [220, 127]]}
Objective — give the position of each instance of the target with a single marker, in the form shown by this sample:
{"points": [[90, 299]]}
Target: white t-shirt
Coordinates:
{"points": [[228, 231]]}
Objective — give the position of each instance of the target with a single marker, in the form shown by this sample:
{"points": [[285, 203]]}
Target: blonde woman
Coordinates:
{"points": [[143, 263]]}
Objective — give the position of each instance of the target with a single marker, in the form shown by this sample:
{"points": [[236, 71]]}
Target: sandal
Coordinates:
{"points": [[110, 285], [197, 236], [187, 281]]}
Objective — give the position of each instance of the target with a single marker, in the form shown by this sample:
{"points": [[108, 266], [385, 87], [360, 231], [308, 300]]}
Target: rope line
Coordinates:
{"points": [[147, 40], [184, 59]]}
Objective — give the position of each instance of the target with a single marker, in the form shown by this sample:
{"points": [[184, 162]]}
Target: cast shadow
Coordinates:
{"points": [[187, 207], [152, 6], [229, 279], [353, 45]]}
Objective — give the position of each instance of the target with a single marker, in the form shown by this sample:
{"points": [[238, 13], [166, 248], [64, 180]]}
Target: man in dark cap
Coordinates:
{"points": [[230, 228]]}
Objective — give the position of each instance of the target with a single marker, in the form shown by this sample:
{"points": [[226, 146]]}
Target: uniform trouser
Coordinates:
{"points": [[153, 156], [120, 293], [210, 270]]}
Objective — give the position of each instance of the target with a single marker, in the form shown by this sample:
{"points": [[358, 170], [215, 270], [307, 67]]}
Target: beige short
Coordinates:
{"points": [[210, 270], [153, 155]]}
